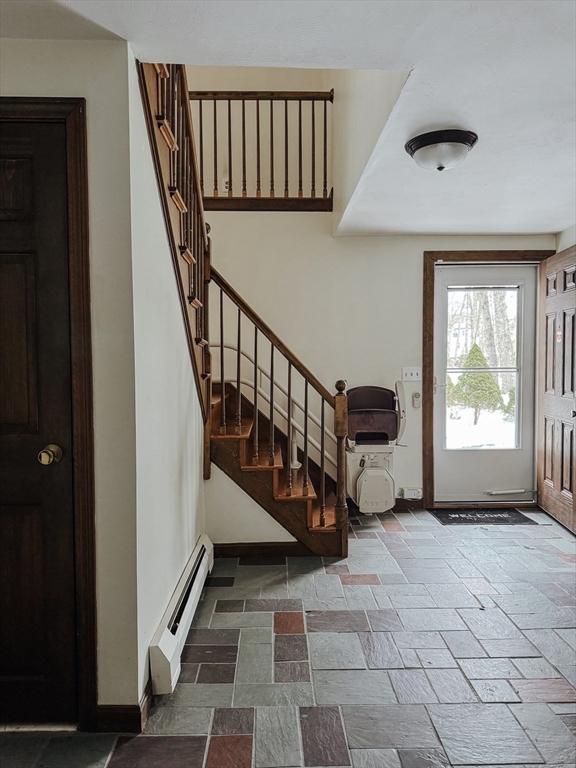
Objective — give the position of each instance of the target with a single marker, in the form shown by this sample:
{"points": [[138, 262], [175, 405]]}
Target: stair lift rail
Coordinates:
{"points": [[302, 407], [264, 395]]}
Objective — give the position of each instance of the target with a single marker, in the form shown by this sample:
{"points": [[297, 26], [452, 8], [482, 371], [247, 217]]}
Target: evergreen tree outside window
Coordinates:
{"points": [[477, 389]]}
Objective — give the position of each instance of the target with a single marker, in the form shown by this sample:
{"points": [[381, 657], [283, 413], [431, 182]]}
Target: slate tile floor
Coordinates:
{"points": [[428, 647]]}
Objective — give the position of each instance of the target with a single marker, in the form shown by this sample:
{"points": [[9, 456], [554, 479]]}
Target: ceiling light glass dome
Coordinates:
{"points": [[441, 150]]}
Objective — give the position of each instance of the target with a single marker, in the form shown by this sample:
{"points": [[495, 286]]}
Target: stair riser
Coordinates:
{"points": [[293, 517]]}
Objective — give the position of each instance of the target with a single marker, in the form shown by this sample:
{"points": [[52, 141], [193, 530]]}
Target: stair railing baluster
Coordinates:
{"points": [[198, 255], [285, 148], [322, 467], [194, 238], [222, 379], [230, 193], [201, 138], [179, 178], [272, 457], [255, 426], [271, 148], [238, 371], [190, 228], [170, 118], [258, 184], [193, 291], [194, 250], [159, 89], [289, 434], [205, 255], [313, 180], [243, 148], [325, 151], [299, 147], [170, 103], [305, 462], [215, 120]]}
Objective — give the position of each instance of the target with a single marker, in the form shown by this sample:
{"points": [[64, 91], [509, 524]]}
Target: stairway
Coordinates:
{"points": [[308, 499], [265, 480]]}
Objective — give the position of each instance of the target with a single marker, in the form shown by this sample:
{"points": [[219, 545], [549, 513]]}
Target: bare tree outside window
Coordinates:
{"points": [[481, 371]]}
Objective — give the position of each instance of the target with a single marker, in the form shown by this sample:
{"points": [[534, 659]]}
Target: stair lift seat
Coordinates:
{"points": [[376, 419]]}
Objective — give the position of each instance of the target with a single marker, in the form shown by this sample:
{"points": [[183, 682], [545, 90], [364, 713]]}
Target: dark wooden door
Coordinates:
{"points": [[557, 411], [37, 569]]}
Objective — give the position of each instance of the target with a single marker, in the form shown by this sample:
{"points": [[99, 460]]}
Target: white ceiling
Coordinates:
{"points": [[505, 69]]}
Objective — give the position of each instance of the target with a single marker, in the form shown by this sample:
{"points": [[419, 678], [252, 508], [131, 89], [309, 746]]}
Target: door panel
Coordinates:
{"points": [[567, 458], [556, 403], [549, 449], [37, 598], [568, 353], [550, 359], [18, 383], [484, 328]]}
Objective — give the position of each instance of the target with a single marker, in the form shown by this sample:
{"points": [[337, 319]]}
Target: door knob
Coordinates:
{"points": [[50, 454]]}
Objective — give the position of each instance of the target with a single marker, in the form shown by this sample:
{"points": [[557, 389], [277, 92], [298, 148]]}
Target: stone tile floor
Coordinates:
{"points": [[429, 646]]}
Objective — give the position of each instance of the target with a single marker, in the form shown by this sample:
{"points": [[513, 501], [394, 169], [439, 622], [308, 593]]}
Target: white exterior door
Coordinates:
{"points": [[484, 352]]}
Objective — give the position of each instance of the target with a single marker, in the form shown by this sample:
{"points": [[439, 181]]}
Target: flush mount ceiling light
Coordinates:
{"points": [[440, 150]]}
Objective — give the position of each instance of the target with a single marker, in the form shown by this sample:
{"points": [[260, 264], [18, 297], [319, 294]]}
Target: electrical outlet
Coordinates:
{"points": [[411, 373], [412, 493]]}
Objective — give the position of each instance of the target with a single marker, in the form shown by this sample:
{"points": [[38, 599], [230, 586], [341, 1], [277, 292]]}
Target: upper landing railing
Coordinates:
{"points": [[264, 150]]}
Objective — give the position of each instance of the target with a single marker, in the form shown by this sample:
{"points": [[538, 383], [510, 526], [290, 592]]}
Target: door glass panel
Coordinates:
{"points": [[482, 368], [481, 410], [482, 327]]}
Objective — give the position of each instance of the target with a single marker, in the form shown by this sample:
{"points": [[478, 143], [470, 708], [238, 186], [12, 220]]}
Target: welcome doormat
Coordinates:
{"points": [[481, 517]]}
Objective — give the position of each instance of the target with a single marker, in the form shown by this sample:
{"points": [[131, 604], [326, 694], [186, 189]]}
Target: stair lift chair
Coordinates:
{"points": [[376, 420]]}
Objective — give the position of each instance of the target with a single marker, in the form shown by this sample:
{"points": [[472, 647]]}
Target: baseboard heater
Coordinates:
{"points": [[169, 638]]}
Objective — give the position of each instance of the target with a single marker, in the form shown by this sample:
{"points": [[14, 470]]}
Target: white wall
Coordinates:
{"points": [[169, 427], [232, 516], [566, 238], [363, 102], [96, 70], [349, 307]]}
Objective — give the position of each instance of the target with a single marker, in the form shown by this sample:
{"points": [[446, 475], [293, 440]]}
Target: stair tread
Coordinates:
{"points": [[330, 518], [263, 463], [297, 488], [232, 431]]}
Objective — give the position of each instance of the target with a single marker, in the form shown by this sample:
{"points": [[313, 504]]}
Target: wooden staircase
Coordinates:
{"points": [[266, 427], [297, 509]]}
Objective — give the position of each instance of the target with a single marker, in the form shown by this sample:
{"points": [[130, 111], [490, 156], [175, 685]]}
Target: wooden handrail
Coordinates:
{"points": [[271, 336], [262, 95]]}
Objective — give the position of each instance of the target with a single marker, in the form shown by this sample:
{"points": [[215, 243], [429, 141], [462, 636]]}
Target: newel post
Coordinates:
{"points": [[341, 430]]}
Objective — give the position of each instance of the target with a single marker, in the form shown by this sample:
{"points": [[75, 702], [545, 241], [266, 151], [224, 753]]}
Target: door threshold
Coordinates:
{"points": [[486, 505]]}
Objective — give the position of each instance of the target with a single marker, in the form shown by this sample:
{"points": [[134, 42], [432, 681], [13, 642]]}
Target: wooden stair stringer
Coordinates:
{"points": [[292, 516]]}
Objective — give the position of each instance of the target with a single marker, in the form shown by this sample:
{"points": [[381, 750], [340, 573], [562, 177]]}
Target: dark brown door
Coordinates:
{"points": [[557, 412], [37, 589]]}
